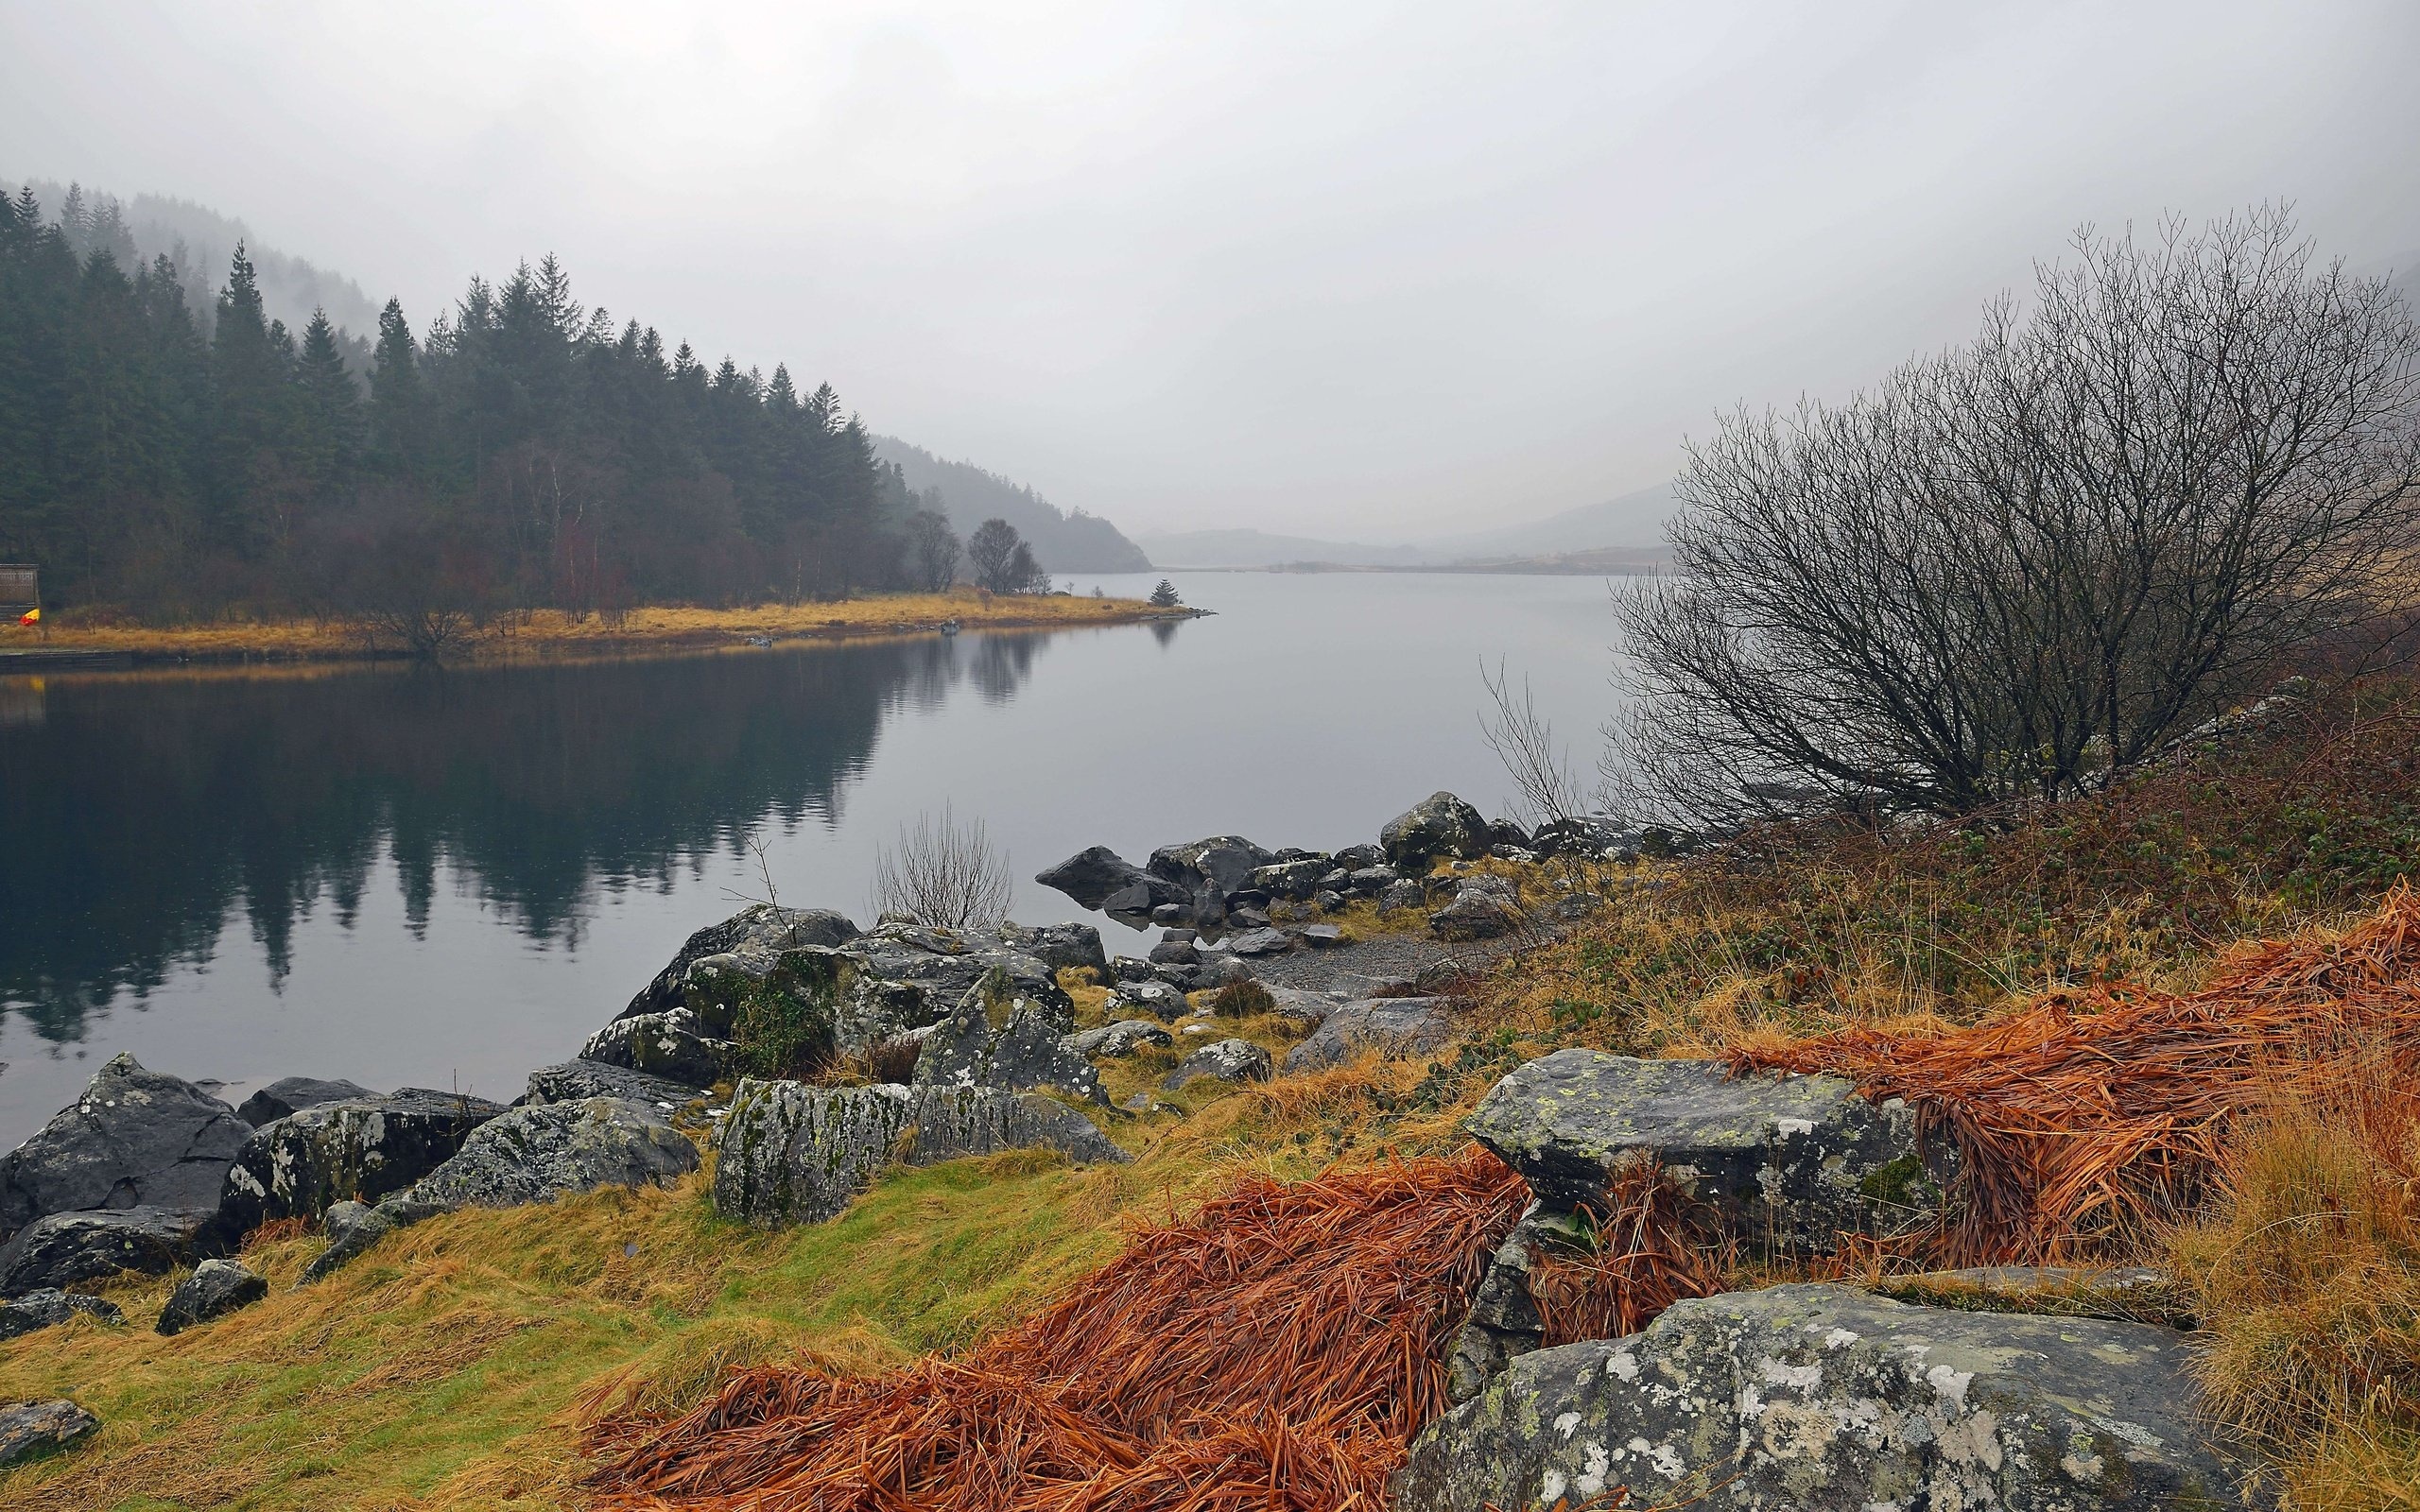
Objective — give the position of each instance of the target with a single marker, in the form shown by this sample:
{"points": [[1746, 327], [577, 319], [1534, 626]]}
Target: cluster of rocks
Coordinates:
{"points": [[1228, 884], [1819, 1397]]}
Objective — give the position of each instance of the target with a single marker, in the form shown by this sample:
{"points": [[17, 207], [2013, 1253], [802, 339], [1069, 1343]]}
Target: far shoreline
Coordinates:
{"points": [[552, 633]]}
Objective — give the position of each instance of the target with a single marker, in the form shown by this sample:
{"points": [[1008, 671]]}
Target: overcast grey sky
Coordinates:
{"points": [[1338, 268]]}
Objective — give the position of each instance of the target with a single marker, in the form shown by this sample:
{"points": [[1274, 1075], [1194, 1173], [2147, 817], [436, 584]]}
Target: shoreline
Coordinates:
{"points": [[554, 633]]}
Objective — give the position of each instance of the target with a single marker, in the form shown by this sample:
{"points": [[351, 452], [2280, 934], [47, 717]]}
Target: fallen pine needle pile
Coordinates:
{"points": [[1276, 1350], [2093, 1117]]}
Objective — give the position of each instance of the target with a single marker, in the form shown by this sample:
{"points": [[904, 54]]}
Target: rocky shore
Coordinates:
{"points": [[804, 1056]]}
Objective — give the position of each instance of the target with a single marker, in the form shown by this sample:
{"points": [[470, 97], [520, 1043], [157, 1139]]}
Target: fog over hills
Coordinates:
{"points": [[1627, 529], [1069, 541]]}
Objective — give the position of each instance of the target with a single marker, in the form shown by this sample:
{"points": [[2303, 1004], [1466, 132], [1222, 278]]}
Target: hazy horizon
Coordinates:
{"points": [[1343, 273]]}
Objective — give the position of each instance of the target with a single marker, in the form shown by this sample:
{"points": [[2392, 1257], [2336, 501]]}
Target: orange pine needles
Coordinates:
{"points": [[1276, 1350], [2094, 1116]]}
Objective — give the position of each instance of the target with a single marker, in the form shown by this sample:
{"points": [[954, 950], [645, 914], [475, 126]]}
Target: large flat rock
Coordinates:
{"points": [[1788, 1162], [1395, 1027], [792, 1153], [1822, 1399], [62, 1249]]}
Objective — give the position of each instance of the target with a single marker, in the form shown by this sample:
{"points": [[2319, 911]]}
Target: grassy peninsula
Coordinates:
{"points": [[556, 632]]}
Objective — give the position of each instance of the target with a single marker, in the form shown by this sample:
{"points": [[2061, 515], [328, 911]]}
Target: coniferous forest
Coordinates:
{"points": [[514, 451]]}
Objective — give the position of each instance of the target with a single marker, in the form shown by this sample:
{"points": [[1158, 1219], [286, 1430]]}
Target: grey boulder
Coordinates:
{"points": [[754, 938], [673, 1046], [574, 1080], [1220, 865], [1012, 1046], [31, 1428], [1504, 1322], [1161, 1000], [1395, 1027], [1262, 941], [135, 1138], [48, 1307], [1442, 825], [1297, 1005], [1060, 947], [790, 1153], [1484, 907], [216, 1288], [1403, 894], [349, 1227], [363, 1148], [1790, 1163], [63, 1248], [1095, 875], [1229, 1060], [1591, 838], [538, 1152], [291, 1094], [1822, 1399], [1118, 1040], [1296, 879]]}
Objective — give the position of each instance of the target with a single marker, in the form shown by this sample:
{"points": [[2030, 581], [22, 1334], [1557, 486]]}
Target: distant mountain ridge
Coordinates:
{"points": [[1628, 529], [1063, 542]]}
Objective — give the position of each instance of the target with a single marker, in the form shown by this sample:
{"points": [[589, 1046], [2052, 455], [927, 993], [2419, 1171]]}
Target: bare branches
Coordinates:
{"points": [[1523, 740], [944, 873], [2017, 566]]}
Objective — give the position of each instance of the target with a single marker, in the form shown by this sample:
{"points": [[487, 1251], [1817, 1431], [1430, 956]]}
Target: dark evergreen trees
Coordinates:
{"points": [[523, 450]]}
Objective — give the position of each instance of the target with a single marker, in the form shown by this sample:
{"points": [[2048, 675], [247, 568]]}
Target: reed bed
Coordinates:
{"points": [[2094, 1118]]}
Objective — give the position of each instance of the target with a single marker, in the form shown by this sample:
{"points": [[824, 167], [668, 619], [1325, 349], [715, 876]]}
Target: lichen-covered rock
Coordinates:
{"points": [[1504, 1323], [909, 976], [1441, 825], [1785, 1162], [1010, 1044], [63, 1248], [1395, 1027], [1298, 1005], [1297, 878], [349, 1227], [674, 1046], [1484, 907], [537, 1153], [1591, 836], [216, 1288], [790, 1153], [31, 1428], [1096, 875], [574, 1080], [1821, 1399], [1118, 1040], [1161, 1000], [1061, 947], [1229, 1060], [47, 1307], [363, 1148], [291, 1094], [135, 1138], [754, 938]]}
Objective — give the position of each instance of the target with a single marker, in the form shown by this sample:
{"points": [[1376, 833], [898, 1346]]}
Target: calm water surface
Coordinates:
{"points": [[444, 880]]}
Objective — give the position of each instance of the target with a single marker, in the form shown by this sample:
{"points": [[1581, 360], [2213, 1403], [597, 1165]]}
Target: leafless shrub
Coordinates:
{"points": [[944, 873], [2021, 564], [1523, 739]]}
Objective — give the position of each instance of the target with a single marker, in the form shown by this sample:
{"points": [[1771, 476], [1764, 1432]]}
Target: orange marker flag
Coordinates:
{"points": [[31, 616]]}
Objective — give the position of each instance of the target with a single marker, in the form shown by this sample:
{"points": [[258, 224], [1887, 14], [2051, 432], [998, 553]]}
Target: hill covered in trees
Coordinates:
{"points": [[171, 444], [1069, 541]]}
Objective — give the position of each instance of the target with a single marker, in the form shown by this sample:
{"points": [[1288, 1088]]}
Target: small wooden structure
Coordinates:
{"points": [[21, 593]]}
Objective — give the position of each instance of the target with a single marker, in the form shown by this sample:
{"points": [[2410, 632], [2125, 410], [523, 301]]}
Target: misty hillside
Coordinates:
{"points": [[1582, 539], [1070, 541], [200, 243]]}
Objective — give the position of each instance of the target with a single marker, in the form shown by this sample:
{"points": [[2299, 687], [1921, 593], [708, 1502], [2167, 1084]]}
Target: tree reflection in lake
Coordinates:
{"points": [[137, 814]]}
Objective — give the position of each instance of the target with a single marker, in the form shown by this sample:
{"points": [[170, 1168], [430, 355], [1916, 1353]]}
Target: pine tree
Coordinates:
{"points": [[247, 372], [395, 409], [329, 435]]}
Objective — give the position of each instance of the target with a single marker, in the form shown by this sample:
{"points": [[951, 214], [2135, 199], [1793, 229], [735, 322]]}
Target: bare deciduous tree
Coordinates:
{"points": [[933, 547], [1523, 739], [944, 873], [2023, 563]]}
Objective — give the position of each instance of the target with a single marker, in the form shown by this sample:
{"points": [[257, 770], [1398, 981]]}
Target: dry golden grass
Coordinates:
{"points": [[2305, 1277], [552, 633]]}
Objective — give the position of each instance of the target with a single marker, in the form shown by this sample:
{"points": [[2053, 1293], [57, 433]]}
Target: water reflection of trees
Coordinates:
{"points": [[136, 815]]}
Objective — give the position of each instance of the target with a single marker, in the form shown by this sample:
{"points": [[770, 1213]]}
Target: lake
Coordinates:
{"points": [[445, 879]]}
